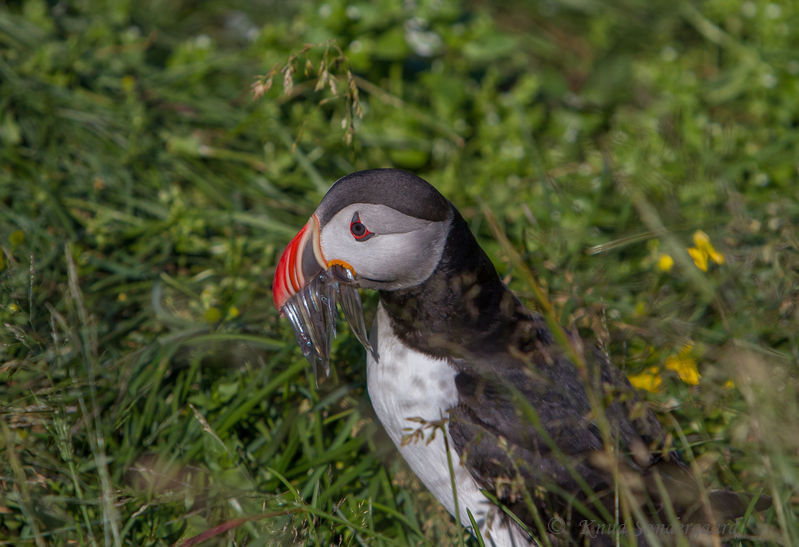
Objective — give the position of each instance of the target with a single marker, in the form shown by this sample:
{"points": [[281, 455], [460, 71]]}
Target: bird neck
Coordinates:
{"points": [[460, 307]]}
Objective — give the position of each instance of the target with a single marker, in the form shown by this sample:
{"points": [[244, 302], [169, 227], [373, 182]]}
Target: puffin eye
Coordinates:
{"points": [[358, 229]]}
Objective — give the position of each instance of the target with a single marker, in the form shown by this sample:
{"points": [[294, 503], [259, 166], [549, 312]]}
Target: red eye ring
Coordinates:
{"points": [[358, 229]]}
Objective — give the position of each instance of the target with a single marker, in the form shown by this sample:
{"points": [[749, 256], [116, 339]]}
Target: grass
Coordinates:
{"points": [[149, 392]]}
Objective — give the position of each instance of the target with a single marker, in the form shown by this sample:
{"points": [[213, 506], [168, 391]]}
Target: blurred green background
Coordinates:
{"points": [[156, 157]]}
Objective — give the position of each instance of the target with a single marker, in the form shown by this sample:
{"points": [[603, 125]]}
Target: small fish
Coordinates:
{"points": [[312, 314]]}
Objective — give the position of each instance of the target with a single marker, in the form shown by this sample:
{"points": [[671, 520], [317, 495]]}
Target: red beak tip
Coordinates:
{"points": [[288, 276]]}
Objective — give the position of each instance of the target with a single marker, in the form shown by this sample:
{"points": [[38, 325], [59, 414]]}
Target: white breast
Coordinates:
{"points": [[408, 390]]}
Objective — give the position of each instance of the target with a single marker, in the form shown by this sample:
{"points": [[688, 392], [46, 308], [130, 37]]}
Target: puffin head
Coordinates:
{"points": [[385, 229], [380, 229]]}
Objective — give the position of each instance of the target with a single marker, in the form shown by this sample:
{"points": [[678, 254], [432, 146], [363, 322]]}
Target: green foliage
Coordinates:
{"points": [[149, 390]]}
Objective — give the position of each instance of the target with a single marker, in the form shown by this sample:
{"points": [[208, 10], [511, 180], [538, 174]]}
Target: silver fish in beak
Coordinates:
{"points": [[307, 291]]}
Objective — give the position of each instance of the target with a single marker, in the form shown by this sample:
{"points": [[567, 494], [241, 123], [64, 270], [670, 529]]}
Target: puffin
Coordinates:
{"points": [[518, 438]]}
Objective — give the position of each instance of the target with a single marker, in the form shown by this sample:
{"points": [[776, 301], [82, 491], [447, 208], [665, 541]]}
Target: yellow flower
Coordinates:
{"points": [[684, 365], [715, 256], [701, 239], [665, 263], [729, 384], [212, 315], [649, 379], [700, 258], [703, 251]]}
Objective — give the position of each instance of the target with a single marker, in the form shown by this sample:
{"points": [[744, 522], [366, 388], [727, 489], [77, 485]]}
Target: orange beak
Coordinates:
{"points": [[299, 263]]}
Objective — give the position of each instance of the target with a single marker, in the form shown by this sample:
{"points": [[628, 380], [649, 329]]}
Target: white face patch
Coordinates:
{"points": [[403, 252]]}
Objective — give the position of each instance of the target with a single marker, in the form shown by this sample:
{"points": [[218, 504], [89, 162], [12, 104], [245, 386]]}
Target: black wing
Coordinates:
{"points": [[525, 428]]}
